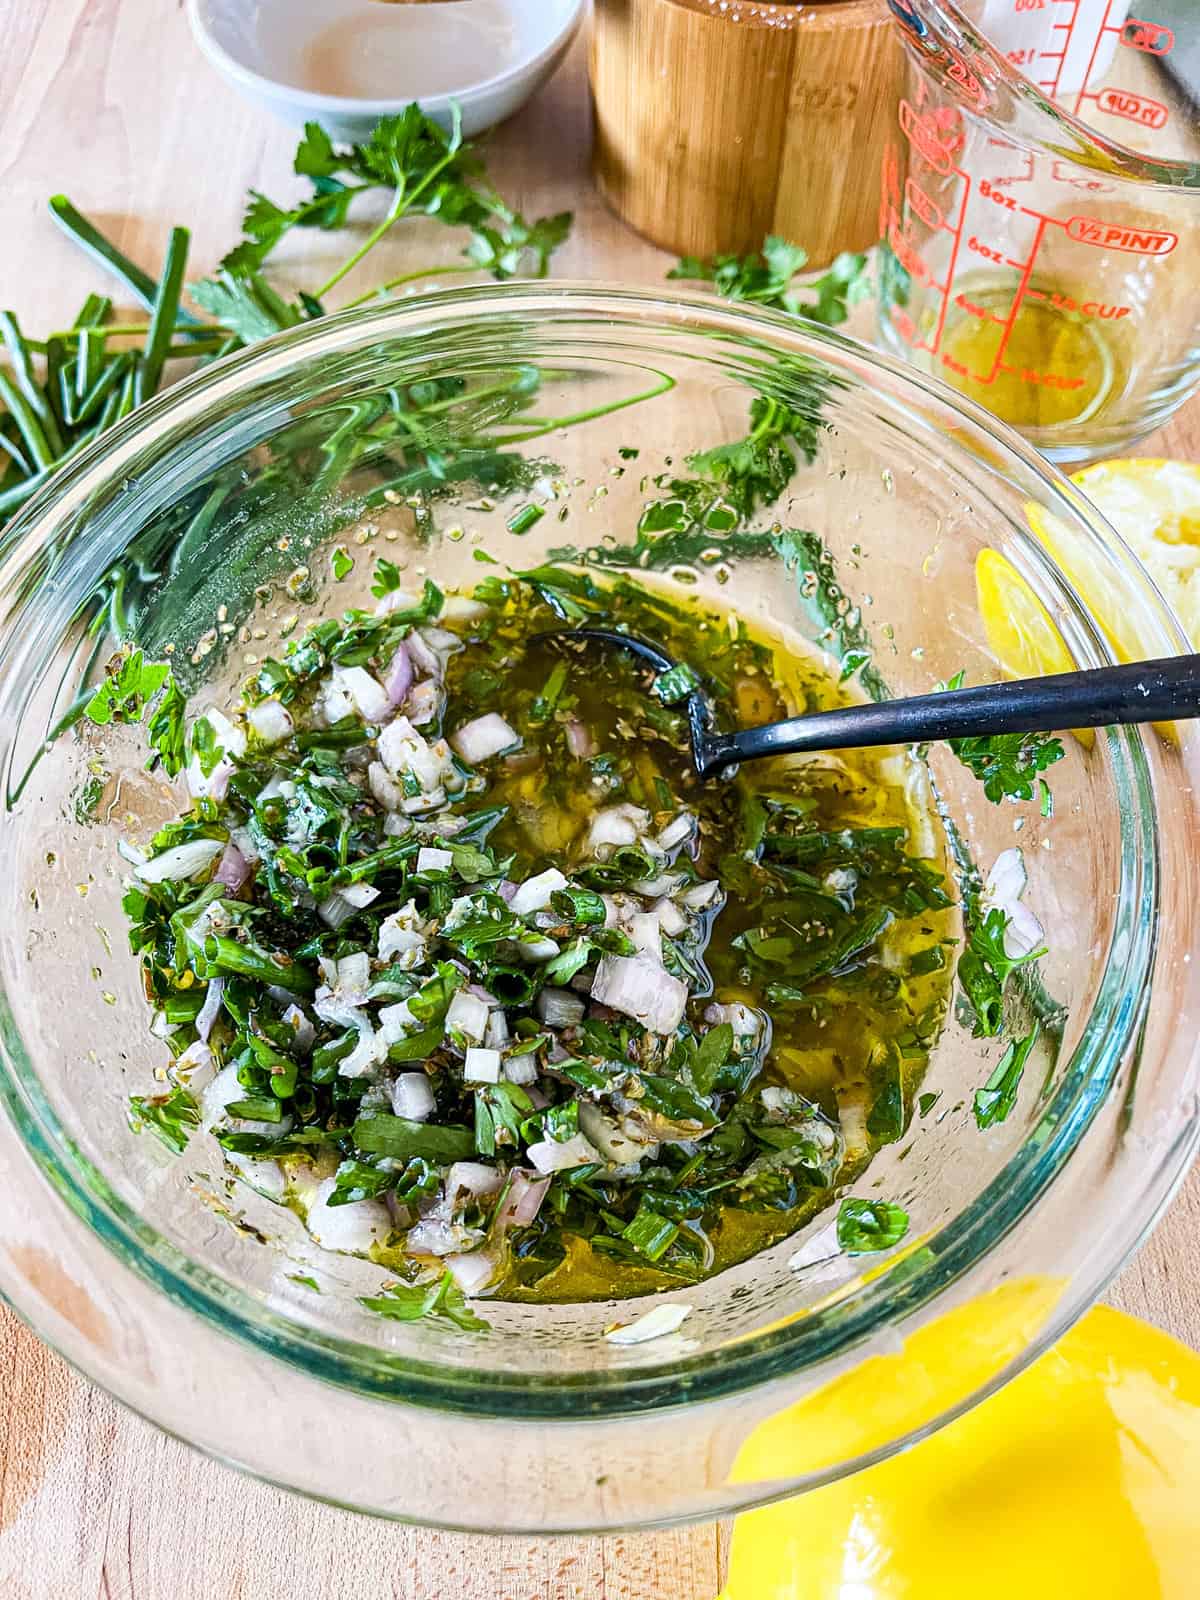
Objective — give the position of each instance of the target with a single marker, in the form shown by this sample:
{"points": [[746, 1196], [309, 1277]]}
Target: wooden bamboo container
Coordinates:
{"points": [[720, 121]]}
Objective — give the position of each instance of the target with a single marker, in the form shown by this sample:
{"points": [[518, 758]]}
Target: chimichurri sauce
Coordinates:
{"points": [[456, 955]]}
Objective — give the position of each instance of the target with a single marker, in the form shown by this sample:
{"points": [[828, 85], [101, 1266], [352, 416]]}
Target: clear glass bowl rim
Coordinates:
{"points": [[783, 1352]]}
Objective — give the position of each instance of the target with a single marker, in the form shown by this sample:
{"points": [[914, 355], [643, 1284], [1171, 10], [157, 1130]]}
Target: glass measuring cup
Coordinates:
{"points": [[1029, 259]]}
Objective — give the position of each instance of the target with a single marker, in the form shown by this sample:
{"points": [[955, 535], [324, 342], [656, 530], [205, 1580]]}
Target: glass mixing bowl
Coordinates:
{"points": [[417, 431]]}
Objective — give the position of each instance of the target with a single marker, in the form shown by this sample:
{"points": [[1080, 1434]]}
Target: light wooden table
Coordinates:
{"points": [[107, 100]]}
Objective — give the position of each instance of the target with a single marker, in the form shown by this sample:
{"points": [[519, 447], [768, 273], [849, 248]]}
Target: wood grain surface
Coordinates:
{"points": [[108, 100]]}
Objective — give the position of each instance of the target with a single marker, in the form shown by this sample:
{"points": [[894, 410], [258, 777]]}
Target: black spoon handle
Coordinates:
{"points": [[1143, 691]]}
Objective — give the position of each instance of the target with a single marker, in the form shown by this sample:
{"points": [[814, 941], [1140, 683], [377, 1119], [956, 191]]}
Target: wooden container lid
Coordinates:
{"points": [[720, 121]]}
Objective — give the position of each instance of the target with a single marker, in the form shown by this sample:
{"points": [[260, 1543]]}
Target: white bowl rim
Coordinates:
{"points": [[356, 105]]}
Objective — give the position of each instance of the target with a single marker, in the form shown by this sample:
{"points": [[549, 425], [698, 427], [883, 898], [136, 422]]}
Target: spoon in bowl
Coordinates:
{"points": [[1142, 691]]}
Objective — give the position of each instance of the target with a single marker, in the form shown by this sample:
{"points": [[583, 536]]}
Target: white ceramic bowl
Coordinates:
{"points": [[346, 63]]}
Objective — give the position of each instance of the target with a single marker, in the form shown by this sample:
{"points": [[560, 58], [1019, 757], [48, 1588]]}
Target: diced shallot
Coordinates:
{"points": [[398, 679], [350, 1229], [614, 827], [676, 831], [642, 989], [181, 861], [522, 1199], [521, 1070], [657, 1322], [534, 894], [423, 703], [474, 1178], [210, 1010], [271, 721], [548, 1155], [471, 1272], [484, 737], [412, 1097], [579, 740], [233, 869], [468, 1016], [481, 1066], [367, 694], [609, 1139], [559, 1008]]}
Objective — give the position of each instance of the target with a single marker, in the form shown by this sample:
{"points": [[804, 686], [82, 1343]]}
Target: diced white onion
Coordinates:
{"points": [[467, 1015], [334, 910], [745, 1022], [481, 1066], [537, 949], [642, 990], [397, 600], [657, 1322], [484, 737], [461, 608], [195, 1066], [424, 702], [412, 1097], [384, 792], [559, 1008], [181, 861], [497, 1034], [222, 1092], [548, 1155], [534, 894]]}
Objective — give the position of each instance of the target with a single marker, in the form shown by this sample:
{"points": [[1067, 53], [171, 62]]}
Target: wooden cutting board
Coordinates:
{"points": [[95, 1504]]}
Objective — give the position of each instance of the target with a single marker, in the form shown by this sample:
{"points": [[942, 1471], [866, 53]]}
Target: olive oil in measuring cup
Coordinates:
{"points": [[1043, 270], [1059, 362]]}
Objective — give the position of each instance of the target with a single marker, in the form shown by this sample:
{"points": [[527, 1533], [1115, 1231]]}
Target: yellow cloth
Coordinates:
{"points": [[1080, 1480]]}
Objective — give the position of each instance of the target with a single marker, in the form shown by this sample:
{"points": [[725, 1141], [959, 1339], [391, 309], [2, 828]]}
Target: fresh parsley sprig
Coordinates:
{"points": [[766, 278]]}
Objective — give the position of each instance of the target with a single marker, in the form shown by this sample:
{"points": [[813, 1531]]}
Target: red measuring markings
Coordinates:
{"points": [[1151, 37], [921, 131], [1083, 308], [1111, 236], [928, 210], [1139, 108]]}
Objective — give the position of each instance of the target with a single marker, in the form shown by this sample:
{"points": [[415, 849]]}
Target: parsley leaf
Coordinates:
{"points": [[1008, 764], [131, 685], [387, 578], [867, 1225], [341, 563], [171, 1116], [765, 278], [984, 968], [410, 1302], [999, 1094]]}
